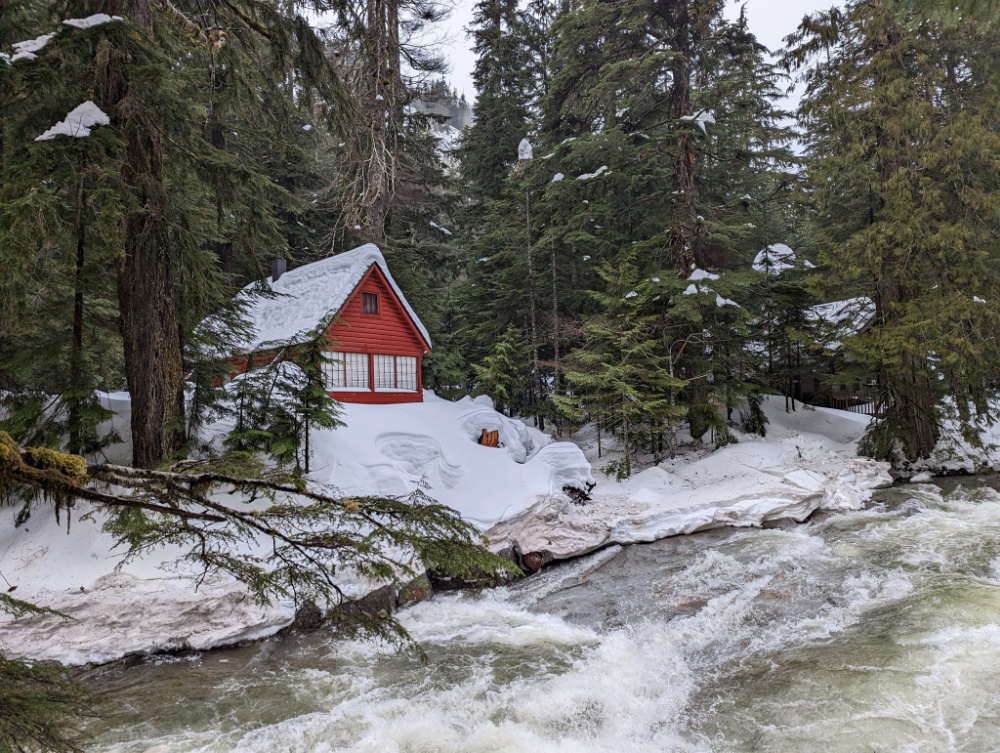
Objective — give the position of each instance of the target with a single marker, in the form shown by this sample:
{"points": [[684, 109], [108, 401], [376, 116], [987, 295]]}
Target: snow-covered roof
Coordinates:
{"points": [[840, 319], [312, 295]]}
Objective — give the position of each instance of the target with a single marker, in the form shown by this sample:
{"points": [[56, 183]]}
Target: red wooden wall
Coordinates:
{"points": [[390, 332]]}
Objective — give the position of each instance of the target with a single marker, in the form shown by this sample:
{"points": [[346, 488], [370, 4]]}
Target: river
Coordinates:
{"points": [[876, 630]]}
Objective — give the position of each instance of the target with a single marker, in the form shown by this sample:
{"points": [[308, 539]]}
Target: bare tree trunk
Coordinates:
{"points": [[76, 351], [147, 319], [536, 378], [682, 235], [555, 331], [379, 184]]}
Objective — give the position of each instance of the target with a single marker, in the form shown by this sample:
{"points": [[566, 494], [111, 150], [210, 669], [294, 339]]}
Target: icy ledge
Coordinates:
{"points": [[747, 484], [122, 614]]}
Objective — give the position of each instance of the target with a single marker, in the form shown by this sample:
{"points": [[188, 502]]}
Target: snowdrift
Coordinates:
{"points": [[807, 462], [154, 604], [513, 493]]}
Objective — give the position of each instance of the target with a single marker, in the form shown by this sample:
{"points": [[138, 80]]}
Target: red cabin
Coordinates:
{"points": [[377, 340]]}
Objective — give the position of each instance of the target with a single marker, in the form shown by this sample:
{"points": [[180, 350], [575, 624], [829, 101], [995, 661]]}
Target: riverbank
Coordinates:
{"points": [[514, 494], [870, 630]]}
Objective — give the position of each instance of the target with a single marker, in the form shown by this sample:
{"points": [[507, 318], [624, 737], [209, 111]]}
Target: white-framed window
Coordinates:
{"points": [[347, 371], [406, 373], [385, 372], [396, 373]]}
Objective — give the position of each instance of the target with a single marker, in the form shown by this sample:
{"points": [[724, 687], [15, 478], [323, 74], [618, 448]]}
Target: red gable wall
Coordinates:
{"points": [[390, 332]]}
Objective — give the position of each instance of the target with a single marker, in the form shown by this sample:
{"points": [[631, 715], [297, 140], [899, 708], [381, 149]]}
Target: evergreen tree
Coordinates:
{"points": [[903, 145], [178, 184], [489, 148]]}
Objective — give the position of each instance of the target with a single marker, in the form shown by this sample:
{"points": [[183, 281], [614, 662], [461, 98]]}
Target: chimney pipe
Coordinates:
{"points": [[278, 268]]}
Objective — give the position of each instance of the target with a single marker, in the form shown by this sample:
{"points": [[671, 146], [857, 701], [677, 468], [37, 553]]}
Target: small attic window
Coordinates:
{"points": [[369, 303]]}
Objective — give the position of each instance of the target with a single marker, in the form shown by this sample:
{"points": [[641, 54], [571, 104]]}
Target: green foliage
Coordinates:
{"points": [[905, 203], [275, 406], [503, 373], [752, 418], [41, 708]]}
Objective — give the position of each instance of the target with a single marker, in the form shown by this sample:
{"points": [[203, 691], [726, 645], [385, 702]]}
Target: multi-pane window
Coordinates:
{"points": [[385, 372], [347, 371], [406, 373], [369, 303], [396, 373]]}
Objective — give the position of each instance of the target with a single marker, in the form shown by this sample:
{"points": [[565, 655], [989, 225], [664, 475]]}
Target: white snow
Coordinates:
{"points": [[26, 50], [632, 294], [774, 259], [694, 289], [557, 177], [840, 319], [91, 21], [807, 462], [702, 119], [524, 150], [78, 123], [307, 127], [312, 295], [513, 493], [152, 604], [720, 302], [444, 230], [433, 445], [598, 172], [701, 274], [977, 299]]}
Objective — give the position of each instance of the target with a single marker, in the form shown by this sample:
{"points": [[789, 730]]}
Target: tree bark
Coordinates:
{"points": [[145, 279], [76, 347]]}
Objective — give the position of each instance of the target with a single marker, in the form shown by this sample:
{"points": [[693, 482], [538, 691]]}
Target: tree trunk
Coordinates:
{"points": [[536, 377], [76, 348], [682, 236], [555, 331], [147, 319]]}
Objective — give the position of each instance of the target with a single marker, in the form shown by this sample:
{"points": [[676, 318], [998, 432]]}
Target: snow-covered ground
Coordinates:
{"points": [[807, 462], [512, 493]]}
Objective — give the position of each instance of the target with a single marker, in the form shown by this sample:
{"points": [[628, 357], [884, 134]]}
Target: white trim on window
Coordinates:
{"points": [[347, 372]]}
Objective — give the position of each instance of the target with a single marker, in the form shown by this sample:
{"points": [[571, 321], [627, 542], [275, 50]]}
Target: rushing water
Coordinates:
{"points": [[876, 630]]}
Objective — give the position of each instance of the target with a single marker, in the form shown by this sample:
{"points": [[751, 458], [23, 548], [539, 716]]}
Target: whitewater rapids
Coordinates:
{"points": [[876, 629]]}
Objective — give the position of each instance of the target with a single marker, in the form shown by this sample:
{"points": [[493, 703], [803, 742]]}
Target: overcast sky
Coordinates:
{"points": [[770, 20]]}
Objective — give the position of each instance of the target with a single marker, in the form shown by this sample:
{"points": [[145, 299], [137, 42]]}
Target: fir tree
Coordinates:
{"points": [[489, 148], [902, 119]]}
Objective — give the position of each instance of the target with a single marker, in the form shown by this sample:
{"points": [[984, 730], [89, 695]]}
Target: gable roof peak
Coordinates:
{"points": [[311, 295]]}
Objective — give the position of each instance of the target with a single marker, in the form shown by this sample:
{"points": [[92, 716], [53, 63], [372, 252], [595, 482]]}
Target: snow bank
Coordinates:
{"points": [[512, 492], [152, 604], [433, 445], [808, 462]]}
